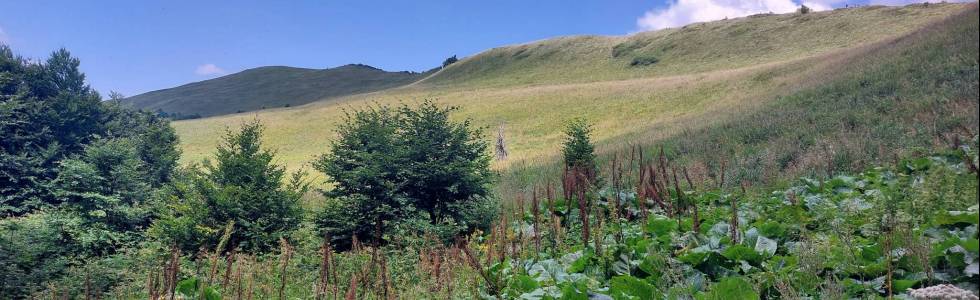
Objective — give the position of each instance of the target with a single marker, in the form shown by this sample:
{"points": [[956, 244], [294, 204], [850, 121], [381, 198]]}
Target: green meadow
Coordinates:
{"points": [[707, 76]]}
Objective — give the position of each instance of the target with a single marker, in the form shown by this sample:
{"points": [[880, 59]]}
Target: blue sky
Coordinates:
{"points": [[138, 46]]}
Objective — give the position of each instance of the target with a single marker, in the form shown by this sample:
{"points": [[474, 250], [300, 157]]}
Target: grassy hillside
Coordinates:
{"points": [[869, 106], [701, 47], [268, 87], [883, 111], [668, 101]]}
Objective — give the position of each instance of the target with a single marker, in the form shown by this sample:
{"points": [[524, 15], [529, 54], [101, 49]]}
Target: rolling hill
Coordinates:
{"points": [[771, 94], [268, 87], [695, 48]]}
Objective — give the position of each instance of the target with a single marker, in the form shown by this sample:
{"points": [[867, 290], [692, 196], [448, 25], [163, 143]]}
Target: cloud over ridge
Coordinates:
{"points": [[682, 12], [208, 70]]}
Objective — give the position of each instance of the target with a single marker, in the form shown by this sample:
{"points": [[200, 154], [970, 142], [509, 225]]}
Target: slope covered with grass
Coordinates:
{"points": [[694, 48], [771, 113], [902, 96], [268, 87], [890, 99]]}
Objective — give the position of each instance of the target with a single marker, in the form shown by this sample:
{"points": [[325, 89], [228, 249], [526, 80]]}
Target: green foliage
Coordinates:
{"points": [[734, 288], [362, 166], [840, 219], [33, 252], [192, 288], [243, 186], [106, 188], [629, 287], [389, 164], [660, 226], [578, 152], [48, 113], [449, 61], [446, 163], [155, 141], [641, 61], [80, 175], [829, 240]]}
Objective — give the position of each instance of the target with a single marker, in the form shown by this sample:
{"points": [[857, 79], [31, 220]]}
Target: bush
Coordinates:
{"points": [[32, 253], [78, 176], [449, 61], [243, 187], [404, 165], [105, 192], [640, 61], [577, 150], [48, 113]]}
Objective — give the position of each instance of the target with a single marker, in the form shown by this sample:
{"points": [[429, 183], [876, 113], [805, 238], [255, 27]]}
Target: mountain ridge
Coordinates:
{"points": [[267, 87]]}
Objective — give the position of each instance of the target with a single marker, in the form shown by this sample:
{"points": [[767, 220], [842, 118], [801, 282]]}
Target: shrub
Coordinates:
{"points": [[640, 61], [106, 193], [31, 254], [445, 162], [577, 150], [449, 61], [401, 165], [245, 187]]}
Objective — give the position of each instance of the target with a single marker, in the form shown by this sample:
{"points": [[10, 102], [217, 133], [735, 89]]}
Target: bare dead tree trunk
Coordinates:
{"points": [[501, 147]]}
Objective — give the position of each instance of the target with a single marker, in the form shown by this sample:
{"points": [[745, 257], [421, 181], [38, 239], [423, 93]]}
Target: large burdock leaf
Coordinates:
{"points": [[523, 284], [743, 253], [660, 226], [901, 285], [972, 269], [765, 246], [730, 288], [629, 287], [190, 288], [187, 287]]}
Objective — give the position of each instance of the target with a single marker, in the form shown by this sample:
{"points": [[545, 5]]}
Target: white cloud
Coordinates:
{"points": [[819, 5], [208, 70], [3, 36], [683, 12]]}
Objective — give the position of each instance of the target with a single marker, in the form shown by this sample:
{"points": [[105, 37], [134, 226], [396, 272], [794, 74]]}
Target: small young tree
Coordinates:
{"points": [[243, 186], [446, 163], [392, 166], [104, 191], [362, 167], [577, 150]]}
